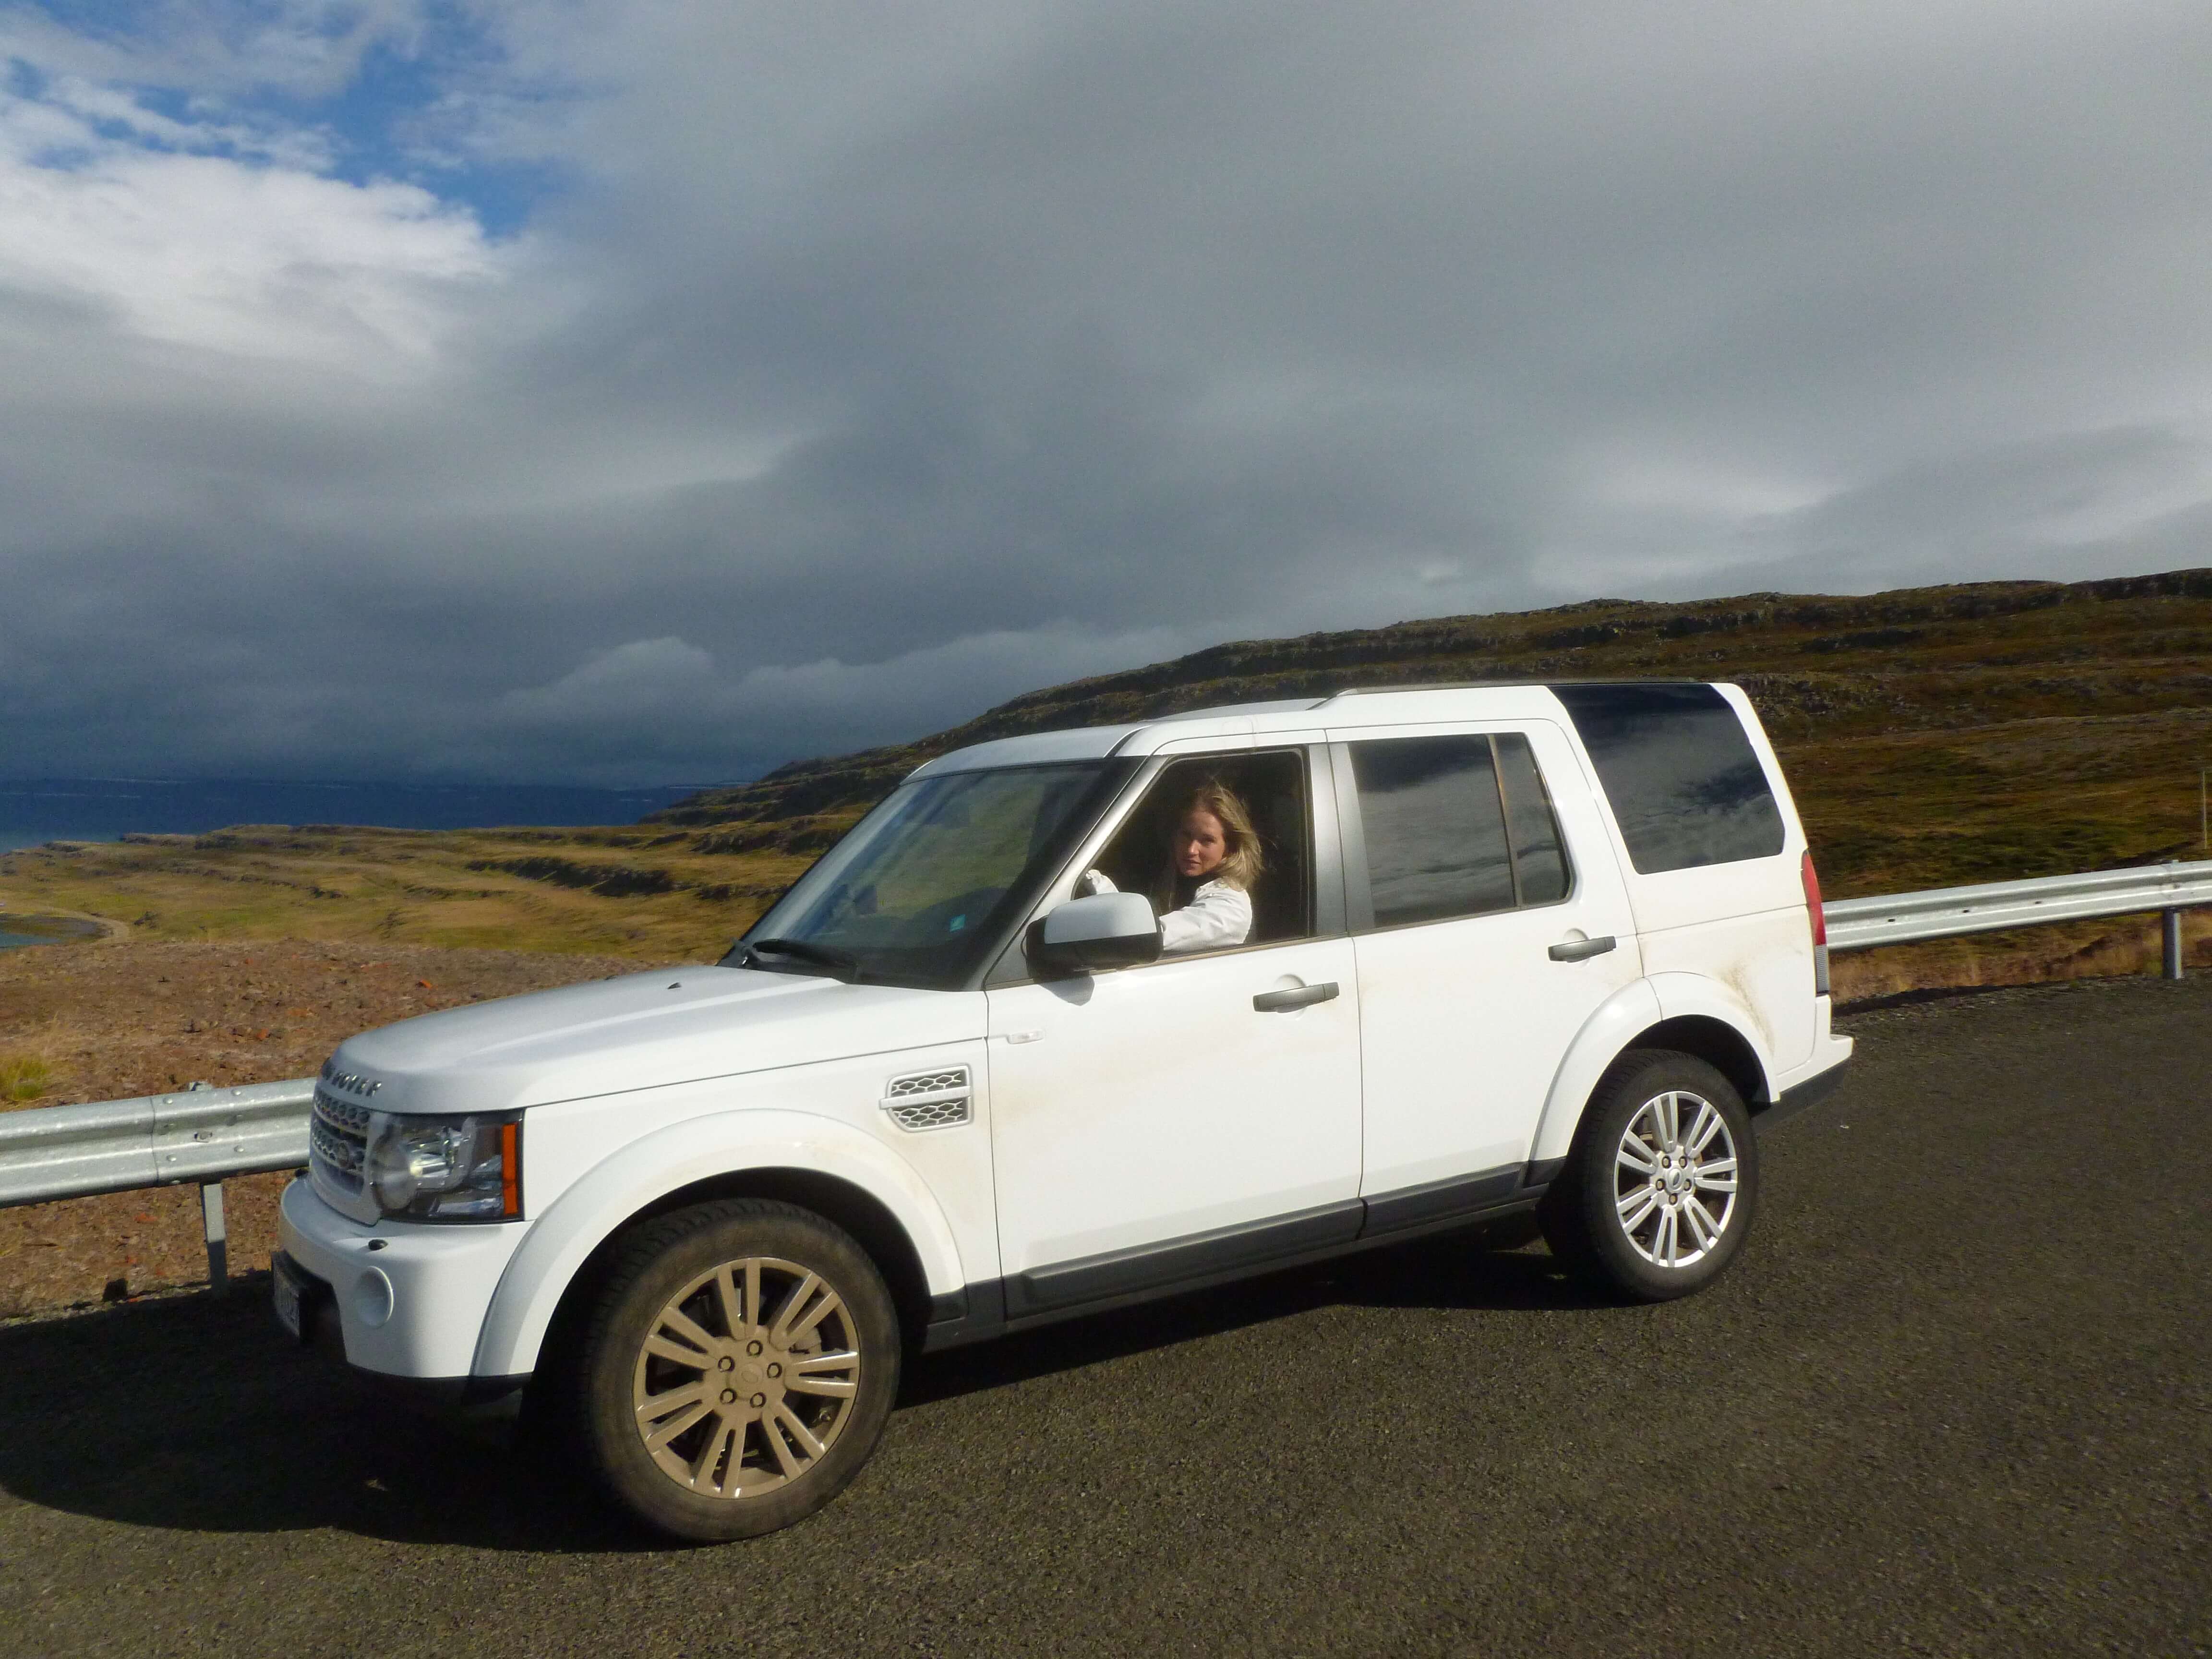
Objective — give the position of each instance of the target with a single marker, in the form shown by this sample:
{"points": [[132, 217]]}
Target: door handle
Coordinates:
{"points": [[1302, 996], [1580, 949]]}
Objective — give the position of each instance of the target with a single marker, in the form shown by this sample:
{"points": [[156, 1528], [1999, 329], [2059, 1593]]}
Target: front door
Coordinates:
{"points": [[1193, 1116]]}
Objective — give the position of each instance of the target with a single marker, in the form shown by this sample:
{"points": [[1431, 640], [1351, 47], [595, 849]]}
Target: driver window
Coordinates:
{"points": [[1238, 822]]}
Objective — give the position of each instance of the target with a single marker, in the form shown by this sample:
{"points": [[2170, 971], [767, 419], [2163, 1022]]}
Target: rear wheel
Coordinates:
{"points": [[1659, 1190], [737, 1370]]}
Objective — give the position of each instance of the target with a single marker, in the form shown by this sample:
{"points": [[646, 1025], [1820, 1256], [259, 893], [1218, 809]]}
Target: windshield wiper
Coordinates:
{"points": [[840, 964]]}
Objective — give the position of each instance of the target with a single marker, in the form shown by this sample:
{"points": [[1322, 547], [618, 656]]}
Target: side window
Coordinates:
{"points": [[1540, 858], [1456, 826], [1686, 785], [1435, 829], [1269, 788]]}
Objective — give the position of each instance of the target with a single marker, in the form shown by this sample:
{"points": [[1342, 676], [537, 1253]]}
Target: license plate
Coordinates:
{"points": [[284, 1277]]}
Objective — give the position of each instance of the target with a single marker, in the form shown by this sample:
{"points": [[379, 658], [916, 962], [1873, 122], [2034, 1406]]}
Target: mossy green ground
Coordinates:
{"points": [[23, 1077]]}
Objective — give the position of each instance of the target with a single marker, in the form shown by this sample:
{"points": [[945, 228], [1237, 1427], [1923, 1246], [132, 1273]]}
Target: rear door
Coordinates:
{"points": [[1490, 921]]}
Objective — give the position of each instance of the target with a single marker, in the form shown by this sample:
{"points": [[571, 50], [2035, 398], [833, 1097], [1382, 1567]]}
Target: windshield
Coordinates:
{"points": [[926, 882]]}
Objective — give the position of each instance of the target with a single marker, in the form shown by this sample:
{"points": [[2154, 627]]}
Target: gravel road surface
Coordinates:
{"points": [[1954, 1400]]}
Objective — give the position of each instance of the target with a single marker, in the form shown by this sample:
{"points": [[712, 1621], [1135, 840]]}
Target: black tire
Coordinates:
{"points": [[745, 1419], [1612, 1223]]}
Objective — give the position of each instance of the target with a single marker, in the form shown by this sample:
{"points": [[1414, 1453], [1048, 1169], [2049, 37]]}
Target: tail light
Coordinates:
{"points": [[1819, 917]]}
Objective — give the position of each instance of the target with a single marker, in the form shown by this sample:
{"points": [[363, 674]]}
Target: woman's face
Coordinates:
{"points": [[1199, 845]]}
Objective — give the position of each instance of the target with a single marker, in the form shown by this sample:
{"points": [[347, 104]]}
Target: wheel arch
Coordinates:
{"points": [[1721, 1046], [852, 1182], [842, 1203], [1697, 1017]]}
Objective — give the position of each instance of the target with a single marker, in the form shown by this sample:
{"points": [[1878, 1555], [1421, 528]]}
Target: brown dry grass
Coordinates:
{"points": [[2101, 950], [132, 1016], [127, 1018], [23, 1077], [652, 897]]}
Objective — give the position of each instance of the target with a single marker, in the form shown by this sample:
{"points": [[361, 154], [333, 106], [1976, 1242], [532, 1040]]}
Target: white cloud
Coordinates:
{"points": [[218, 224], [223, 234], [619, 685], [256, 261], [84, 108], [218, 48], [672, 697]]}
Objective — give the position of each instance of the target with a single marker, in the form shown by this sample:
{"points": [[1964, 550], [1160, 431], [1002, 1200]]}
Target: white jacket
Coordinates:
{"points": [[1218, 916]]}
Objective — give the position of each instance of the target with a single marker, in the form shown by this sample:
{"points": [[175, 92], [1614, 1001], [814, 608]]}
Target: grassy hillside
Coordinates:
{"points": [[652, 894], [1933, 736]]}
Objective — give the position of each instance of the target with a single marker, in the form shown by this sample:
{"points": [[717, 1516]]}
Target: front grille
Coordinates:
{"points": [[338, 1142], [929, 1100]]}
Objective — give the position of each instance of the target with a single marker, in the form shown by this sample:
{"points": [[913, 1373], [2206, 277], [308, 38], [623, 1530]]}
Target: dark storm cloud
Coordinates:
{"points": [[873, 371]]}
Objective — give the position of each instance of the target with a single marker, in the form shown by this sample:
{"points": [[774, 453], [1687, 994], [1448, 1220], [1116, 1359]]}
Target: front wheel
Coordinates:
{"points": [[737, 1370], [1660, 1188]]}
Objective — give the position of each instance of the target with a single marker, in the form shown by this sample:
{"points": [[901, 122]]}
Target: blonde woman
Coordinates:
{"points": [[1204, 890]]}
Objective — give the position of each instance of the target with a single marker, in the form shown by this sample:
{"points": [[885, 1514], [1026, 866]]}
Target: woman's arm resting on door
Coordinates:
{"points": [[1219, 917]]}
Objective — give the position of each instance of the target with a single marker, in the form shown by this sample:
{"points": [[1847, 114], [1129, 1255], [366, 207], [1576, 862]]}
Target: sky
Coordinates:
{"points": [[622, 391]]}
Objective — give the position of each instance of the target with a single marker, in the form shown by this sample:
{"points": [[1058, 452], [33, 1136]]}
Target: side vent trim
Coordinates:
{"points": [[930, 1100]]}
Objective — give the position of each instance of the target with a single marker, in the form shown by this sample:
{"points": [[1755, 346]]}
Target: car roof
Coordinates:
{"points": [[1231, 724]]}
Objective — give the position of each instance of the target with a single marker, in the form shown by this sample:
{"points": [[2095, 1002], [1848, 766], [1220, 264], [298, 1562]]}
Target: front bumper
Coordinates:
{"points": [[413, 1306]]}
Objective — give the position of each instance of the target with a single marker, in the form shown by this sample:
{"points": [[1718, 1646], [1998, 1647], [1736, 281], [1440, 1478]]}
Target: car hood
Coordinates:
{"points": [[639, 1031]]}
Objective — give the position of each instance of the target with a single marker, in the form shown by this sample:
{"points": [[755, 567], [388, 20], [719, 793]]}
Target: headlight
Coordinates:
{"points": [[445, 1169]]}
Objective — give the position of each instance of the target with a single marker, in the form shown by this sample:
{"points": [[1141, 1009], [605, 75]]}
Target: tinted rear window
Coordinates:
{"points": [[1685, 786]]}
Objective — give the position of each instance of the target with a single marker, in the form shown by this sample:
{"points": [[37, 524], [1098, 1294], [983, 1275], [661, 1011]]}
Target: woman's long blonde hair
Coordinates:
{"points": [[1243, 863]]}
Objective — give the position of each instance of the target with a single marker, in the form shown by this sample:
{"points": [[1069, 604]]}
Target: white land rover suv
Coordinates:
{"points": [[1505, 948]]}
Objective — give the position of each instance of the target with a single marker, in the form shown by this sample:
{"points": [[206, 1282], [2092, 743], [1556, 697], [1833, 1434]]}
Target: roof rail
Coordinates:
{"points": [[1421, 685], [1274, 706], [1519, 685]]}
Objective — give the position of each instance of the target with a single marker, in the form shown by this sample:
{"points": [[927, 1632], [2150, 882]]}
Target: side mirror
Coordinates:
{"points": [[1107, 930]]}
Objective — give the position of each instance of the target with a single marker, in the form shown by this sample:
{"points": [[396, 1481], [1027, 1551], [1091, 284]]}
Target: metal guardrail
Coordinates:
{"points": [[1954, 912], [157, 1140], [200, 1135], [208, 1135]]}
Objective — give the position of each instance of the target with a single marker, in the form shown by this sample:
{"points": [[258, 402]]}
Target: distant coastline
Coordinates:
{"points": [[13, 840], [34, 810]]}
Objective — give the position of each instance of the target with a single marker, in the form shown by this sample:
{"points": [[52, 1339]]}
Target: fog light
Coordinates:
{"points": [[372, 1297]]}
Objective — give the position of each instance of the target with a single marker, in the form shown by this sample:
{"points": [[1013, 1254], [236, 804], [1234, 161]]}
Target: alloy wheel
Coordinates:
{"points": [[746, 1377], [1674, 1179]]}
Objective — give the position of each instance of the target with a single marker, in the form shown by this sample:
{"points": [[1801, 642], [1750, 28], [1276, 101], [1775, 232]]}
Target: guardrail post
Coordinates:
{"points": [[212, 1222], [218, 1245], [2170, 929]]}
